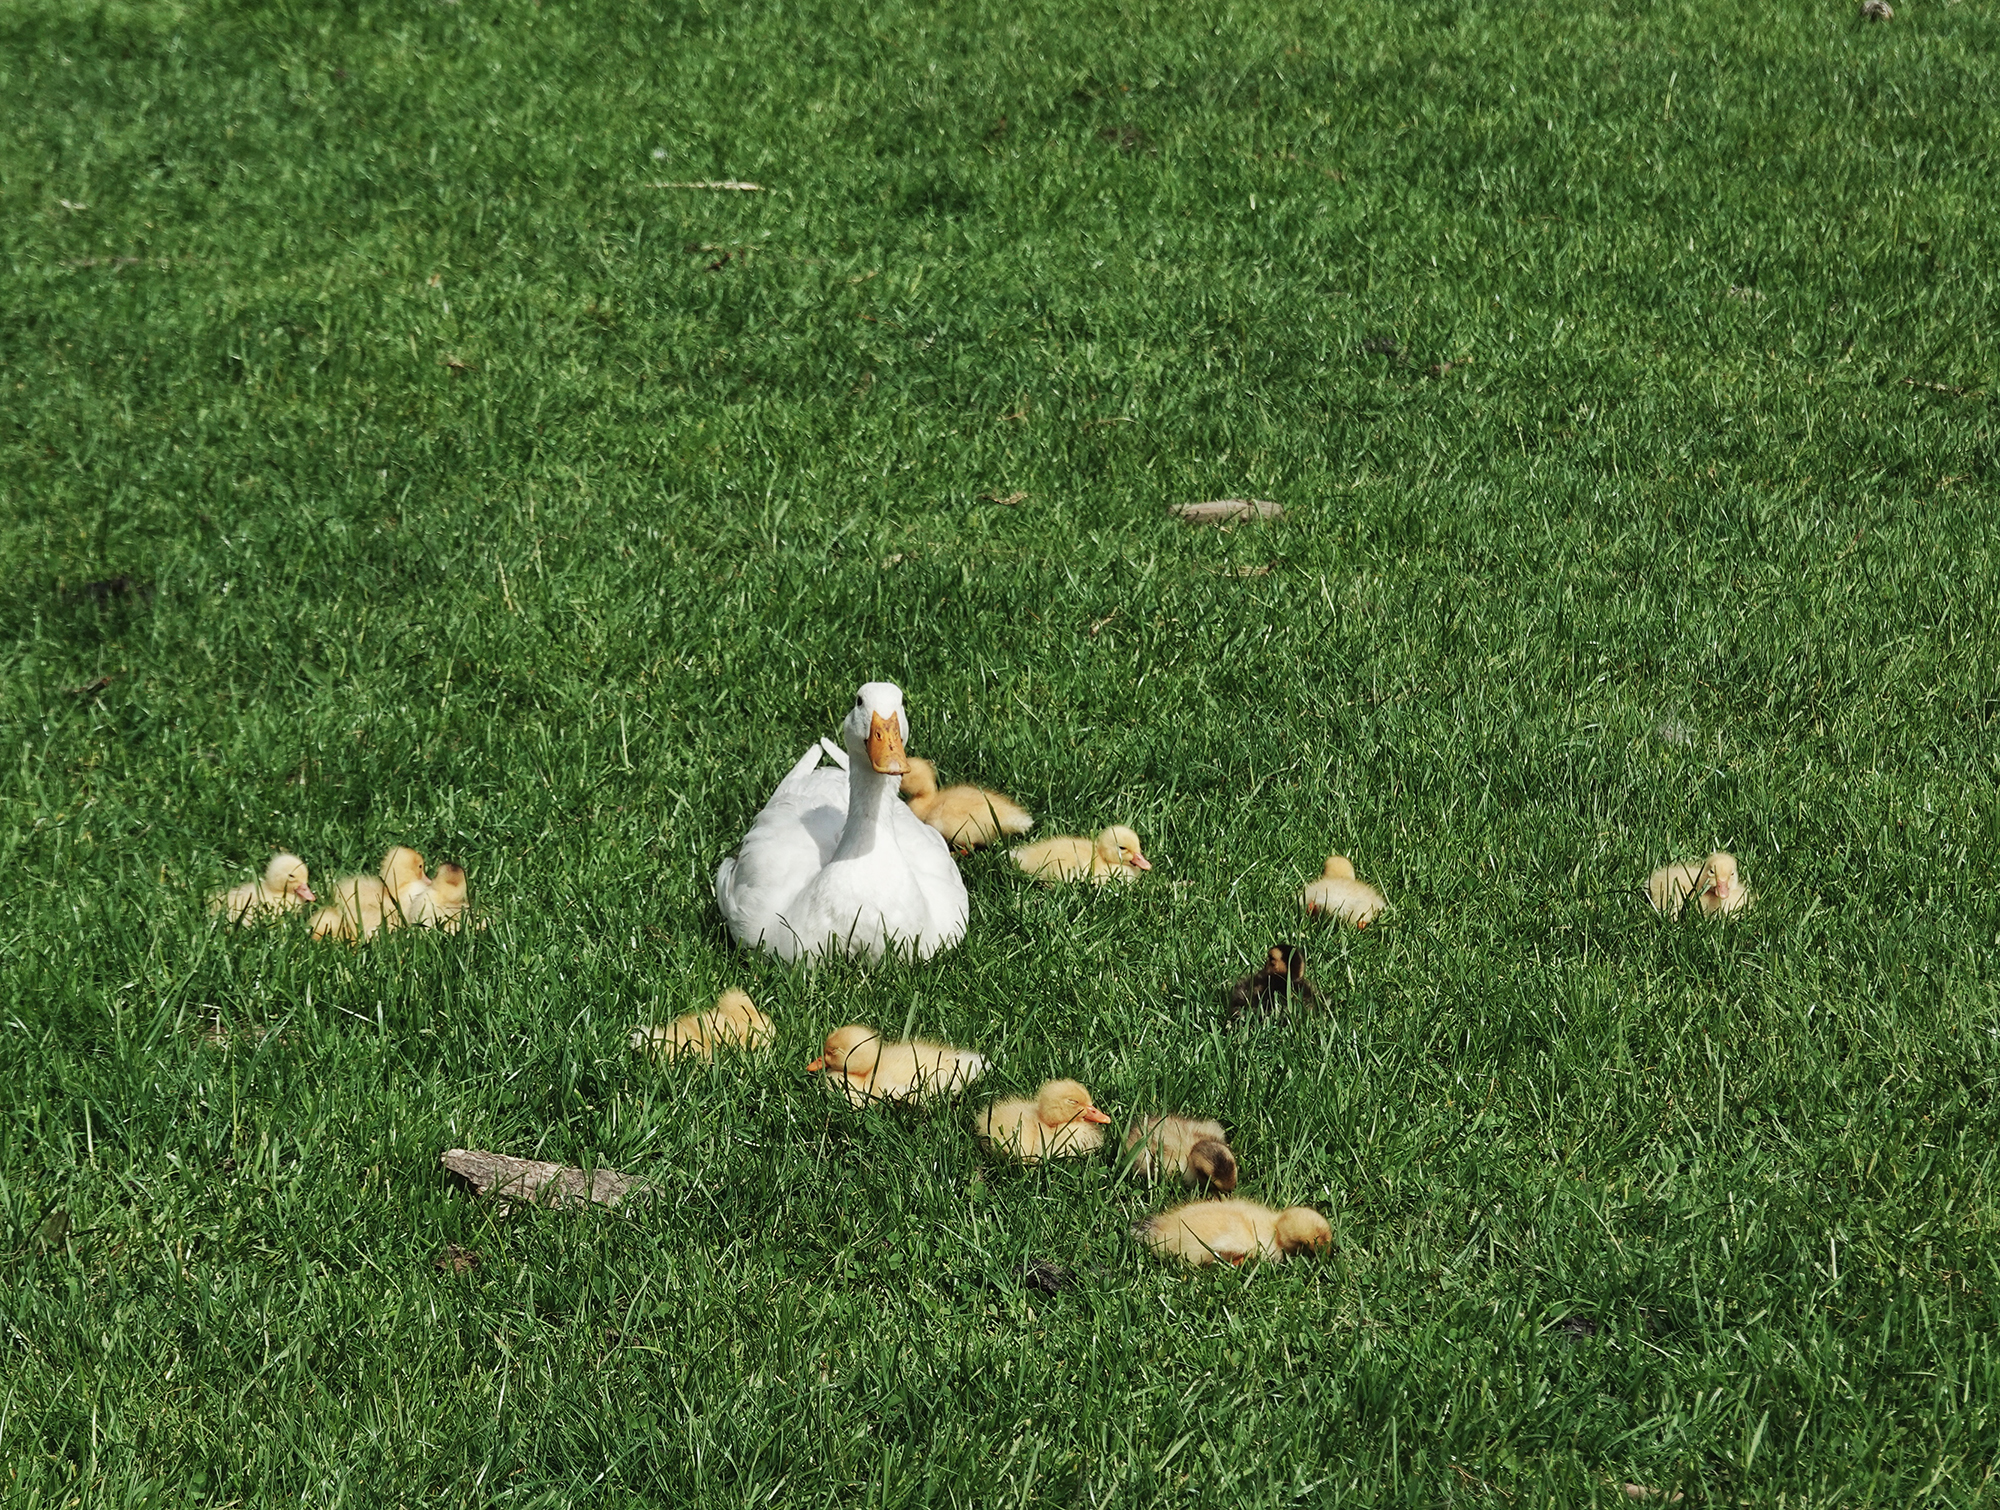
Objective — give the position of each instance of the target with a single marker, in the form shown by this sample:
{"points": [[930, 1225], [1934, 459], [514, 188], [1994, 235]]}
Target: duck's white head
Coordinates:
{"points": [[876, 727]]}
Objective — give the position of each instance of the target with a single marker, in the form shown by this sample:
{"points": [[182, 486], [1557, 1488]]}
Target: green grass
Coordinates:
{"points": [[1691, 544]]}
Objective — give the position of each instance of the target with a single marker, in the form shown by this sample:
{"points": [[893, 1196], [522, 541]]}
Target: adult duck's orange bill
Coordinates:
{"points": [[885, 745]]}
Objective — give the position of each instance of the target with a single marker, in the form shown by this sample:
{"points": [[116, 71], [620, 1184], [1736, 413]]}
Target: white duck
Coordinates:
{"points": [[835, 862]]}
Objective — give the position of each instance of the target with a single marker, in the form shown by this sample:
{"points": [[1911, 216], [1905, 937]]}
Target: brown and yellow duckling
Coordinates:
{"points": [[1196, 1150], [1267, 994]]}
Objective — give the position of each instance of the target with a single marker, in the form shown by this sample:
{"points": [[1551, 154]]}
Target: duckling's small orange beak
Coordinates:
{"points": [[816, 1066], [306, 893], [1092, 1114], [885, 745], [1140, 862]]}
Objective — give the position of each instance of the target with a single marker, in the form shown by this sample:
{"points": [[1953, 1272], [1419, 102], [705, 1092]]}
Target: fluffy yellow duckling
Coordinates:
{"points": [[438, 903], [1714, 883], [1338, 894], [1195, 1150], [362, 906], [1112, 856], [734, 1022], [968, 816], [864, 1068], [1234, 1231], [282, 888], [1060, 1123]]}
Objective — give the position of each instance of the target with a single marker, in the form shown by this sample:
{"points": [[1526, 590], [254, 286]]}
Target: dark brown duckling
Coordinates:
{"points": [[1265, 996]]}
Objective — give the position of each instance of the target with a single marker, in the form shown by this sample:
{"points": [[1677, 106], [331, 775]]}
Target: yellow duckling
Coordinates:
{"points": [[1234, 1231], [1060, 1123], [733, 1023], [967, 816], [1715, 883], [1112, 856], [1338, 894], [864, 1068], [438, 903], [1197, 1151], [282, 888], [362, 906]]}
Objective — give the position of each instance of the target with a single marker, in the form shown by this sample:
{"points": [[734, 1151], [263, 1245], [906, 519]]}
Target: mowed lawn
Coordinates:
{"points": [[386, 457]]}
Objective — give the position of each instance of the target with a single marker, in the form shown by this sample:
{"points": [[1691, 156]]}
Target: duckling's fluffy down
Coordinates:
{"points": [[1234, 1232], [1336, 893], [1715, 885], [863, 1068], [733, 1022], [968, 816], [1114, 855], [284, 887], [1060, 1122]]}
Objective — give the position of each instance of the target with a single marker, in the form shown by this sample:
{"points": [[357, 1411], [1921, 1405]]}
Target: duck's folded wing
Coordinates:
{"points": [[790, 842]]}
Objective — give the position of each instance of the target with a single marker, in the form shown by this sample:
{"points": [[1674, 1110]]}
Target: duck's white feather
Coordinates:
{"points": [[834, 862]]}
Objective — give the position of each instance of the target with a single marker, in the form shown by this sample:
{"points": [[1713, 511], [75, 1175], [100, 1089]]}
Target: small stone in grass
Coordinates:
{"points": [[1876, 10]]}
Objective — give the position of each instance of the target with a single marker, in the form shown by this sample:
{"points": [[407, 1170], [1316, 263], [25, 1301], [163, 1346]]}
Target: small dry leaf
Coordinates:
{"points": [[74, 209], [457, 364], [88, 689], [1048, 1276], [1006, 503], [1127, 139], [436, 281], [1226, 510], [896, 560], [457, 1260], [110, 589]]}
